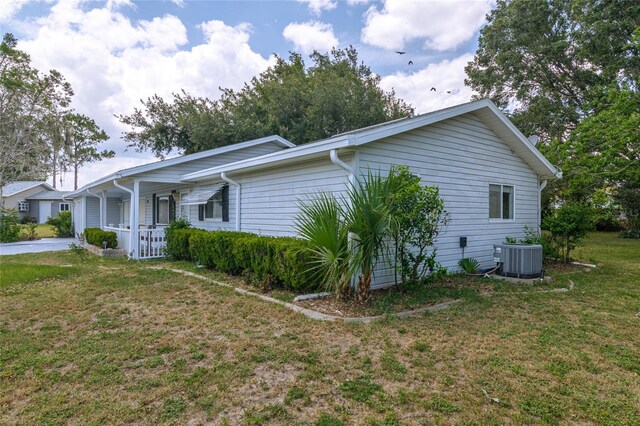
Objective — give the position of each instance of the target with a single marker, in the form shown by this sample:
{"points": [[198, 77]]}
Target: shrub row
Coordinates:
{"points": [[265, 261], [97, 237]]}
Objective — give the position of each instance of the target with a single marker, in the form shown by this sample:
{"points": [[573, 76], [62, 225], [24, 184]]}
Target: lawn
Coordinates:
{"points": [[110, 341], [45, 231]]}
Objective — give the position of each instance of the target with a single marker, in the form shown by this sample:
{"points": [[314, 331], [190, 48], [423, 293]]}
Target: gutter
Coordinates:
{"points": [[131, 212], [225, 178]]}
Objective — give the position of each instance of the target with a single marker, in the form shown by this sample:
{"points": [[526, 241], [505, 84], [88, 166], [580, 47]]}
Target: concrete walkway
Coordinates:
{"points": [[37, 246]]}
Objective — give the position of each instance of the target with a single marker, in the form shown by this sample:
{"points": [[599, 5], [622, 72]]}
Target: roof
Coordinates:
{"points": [[48, 195], [183, 159], [21, 186], [484, 108]]}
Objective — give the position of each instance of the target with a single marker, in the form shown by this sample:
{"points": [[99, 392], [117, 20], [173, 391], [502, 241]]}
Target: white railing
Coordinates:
{"points": [[151, 243], [124, 235]]}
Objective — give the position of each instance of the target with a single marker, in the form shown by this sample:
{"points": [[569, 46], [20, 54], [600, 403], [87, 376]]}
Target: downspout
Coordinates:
{"points": [[131, 213], [100, 198], [333, 155], [543, 185], [225, 178]]}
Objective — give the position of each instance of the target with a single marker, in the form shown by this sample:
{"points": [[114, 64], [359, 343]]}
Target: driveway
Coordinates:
{"points": [[37, 246]]}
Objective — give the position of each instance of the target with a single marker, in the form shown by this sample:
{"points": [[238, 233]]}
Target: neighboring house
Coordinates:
{"points": [[489, 174], [17, 196], [46, 204]]}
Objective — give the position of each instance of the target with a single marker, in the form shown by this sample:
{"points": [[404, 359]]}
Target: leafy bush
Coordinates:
{"points": [[630, 234], [30, 231], [9, 226], [62, 225], [27, 218], [568, 226], [169, 231], [97, 237], [469, 265], [260, 260]]}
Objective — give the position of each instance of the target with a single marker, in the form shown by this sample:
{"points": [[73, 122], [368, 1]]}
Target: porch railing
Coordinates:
{"points": [[123, 234], [151, 243]]}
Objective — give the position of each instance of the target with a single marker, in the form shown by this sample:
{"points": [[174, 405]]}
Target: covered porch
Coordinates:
{"points": [[137, 210]]}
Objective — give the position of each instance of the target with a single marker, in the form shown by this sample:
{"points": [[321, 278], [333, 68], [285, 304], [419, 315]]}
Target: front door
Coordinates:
{"points": [[45, 211]]}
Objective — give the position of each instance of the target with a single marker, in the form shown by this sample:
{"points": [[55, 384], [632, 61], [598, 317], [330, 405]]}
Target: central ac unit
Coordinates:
{"points": [[519, 260]]}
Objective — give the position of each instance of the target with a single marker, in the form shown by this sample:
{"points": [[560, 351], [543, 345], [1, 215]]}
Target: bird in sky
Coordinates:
{"points": [[449, 91], [410, 62], [433, 89], [400, 52]]}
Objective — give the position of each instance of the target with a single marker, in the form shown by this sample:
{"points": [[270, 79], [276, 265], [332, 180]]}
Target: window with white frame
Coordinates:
{"points": [[213, 208], [65, 207], [162, 214], [184, 208], [501, 201], [23, 206]]}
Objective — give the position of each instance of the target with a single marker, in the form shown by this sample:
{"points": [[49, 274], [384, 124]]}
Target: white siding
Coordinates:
{"points": [[270, 197], [113, 211], [92, 212], [461, 156], [78, 215], [213, 225]]}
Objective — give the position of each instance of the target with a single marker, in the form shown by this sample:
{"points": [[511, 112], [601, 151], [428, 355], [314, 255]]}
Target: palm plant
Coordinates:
{"points": [[321, 222], [368, 219]]}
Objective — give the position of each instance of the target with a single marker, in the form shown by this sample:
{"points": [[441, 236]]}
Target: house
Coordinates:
{"points": [[35, 199], [489, 174]]}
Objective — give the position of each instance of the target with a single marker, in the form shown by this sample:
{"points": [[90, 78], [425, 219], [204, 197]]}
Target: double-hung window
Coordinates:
{"points": [[501, 201], [64, 207], [213, 208]]}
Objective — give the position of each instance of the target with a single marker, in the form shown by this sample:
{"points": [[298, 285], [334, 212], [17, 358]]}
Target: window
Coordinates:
{"points": [[501, 201], [216, 207], [162, 212], [64, 207], [184, 208], [213, 208], [23, 206]]}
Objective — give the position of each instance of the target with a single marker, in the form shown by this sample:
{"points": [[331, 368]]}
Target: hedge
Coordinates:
{"points": [[97, 237], [266, 261]]}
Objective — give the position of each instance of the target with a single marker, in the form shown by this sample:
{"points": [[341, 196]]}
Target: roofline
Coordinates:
{"points": [[182, 159], [51, 188], [373, 133]]}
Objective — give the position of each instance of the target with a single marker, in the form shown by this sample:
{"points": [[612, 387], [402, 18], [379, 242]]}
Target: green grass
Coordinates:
{"points": [[108, 341], [45, 231]]}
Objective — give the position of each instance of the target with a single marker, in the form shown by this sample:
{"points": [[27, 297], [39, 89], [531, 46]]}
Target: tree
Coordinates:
{"points": [[334, 95], [417, 216], [546, 60], [26, 98], [568, 226], [82, 135]]}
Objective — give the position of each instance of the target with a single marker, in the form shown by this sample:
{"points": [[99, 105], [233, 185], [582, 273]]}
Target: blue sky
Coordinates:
{"points": [[116, 52]]}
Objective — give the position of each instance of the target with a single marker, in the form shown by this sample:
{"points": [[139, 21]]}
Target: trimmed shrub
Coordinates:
{"points": [[9, 226], [97, 237], [263, 261], [62, 225]]}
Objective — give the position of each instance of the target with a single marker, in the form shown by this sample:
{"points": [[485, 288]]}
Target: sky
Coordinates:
{"points": [[117, 52]]}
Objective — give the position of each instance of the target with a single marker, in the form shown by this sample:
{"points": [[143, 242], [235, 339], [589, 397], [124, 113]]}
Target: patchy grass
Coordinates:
{"points": [[114, 342]]}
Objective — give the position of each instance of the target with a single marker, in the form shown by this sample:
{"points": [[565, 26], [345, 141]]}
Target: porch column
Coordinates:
{"points": [[103, 194], [134, 219]]}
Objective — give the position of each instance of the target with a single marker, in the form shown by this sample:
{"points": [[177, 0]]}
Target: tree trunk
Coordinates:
{"points": [[363, 293], [75, 176]]}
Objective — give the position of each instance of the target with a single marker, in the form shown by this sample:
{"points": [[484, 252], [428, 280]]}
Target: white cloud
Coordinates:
{"points": [[445, 76], [442, 24], [317, 6], [310, 36], [8, 8], [357, 2], [113, 61]]}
